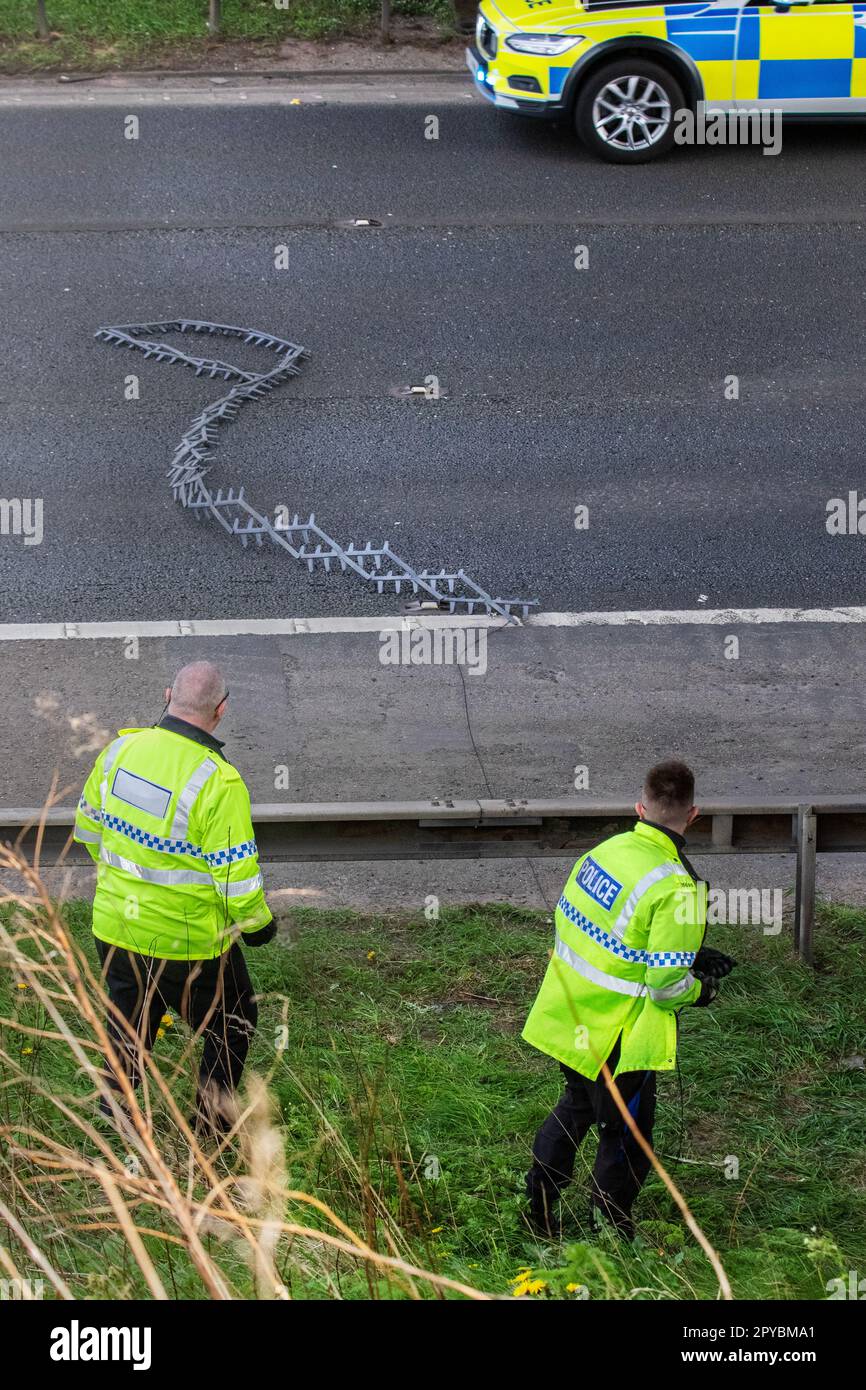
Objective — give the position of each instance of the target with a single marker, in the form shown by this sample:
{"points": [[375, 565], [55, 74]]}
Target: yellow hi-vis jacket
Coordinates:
{"points": [[629, 923], [167, 820]]}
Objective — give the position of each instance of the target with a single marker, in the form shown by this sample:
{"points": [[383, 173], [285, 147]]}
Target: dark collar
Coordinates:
{"points": [[679, 843], [187, 730], [679, 840]]}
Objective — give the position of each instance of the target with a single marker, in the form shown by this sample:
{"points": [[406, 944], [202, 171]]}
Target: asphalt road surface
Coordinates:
{"points": [[603, 387]]}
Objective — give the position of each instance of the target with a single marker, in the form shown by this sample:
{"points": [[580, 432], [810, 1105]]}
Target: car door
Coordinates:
{"points": [[798, 56], [707, 33]]}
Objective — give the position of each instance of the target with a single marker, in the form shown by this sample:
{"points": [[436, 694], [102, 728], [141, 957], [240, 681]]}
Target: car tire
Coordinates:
{"points": [[649, 97]]}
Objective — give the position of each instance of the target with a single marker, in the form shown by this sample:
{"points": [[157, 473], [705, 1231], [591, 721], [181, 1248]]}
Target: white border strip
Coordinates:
{"points": [[660, 617], [294, 627]]}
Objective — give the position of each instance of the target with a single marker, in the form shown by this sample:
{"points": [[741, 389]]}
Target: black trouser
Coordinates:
{"points": [[215, 997], [620, 1164]]}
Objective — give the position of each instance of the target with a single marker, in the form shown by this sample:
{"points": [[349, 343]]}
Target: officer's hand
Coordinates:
{"points": [[260, 937], [709, 989], [709, 961]]}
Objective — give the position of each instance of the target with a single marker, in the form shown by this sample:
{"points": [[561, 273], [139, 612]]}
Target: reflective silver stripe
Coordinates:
{"points": [[89, 837], [141, 793], [672, 991], [90, 811], [113, 750], [167, 877], [108, 764], [598, 977], [642, 886], [237, 889], [180, 824]]}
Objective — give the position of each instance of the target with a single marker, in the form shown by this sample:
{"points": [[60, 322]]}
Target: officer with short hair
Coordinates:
{"points": [[167, 820], [628, 956]]}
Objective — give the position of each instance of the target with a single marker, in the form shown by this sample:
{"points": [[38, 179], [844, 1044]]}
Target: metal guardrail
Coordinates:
{"points": [[450, 828]]}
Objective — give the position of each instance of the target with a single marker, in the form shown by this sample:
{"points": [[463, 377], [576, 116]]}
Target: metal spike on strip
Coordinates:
{"points": [[455, 591]]}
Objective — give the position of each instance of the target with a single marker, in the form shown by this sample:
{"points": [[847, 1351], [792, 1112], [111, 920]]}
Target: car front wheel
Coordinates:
{"points": [[625, 111]]}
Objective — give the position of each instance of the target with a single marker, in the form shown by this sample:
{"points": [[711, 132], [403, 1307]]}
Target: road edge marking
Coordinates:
{"points": [[349, 624]]}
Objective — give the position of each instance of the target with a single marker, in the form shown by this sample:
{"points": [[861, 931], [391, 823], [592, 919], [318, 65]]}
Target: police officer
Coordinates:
{"points": [[627, 957], [167, 819]]}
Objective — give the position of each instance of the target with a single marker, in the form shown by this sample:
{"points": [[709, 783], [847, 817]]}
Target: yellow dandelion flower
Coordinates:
{"points": [[572, 1288], [535, 1285], [436, 1229], [519, 1290], [26, 1051], [160, 1032], [166, 1020], [371, 955], [21, 985]]}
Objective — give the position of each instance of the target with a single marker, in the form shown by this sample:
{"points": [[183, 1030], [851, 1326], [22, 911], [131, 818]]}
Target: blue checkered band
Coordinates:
{"points": [[218, 858], [616, 948], [144, 837], [87, 810], [662, 958]]}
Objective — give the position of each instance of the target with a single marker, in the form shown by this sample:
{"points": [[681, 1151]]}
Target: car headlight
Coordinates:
{"points": [[543, 45]]}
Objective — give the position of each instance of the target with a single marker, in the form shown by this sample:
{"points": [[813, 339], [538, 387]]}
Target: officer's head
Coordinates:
{"points": [[198, 694], [668, 796]]}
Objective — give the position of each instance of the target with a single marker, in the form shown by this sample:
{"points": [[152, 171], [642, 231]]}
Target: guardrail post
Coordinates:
{"points": [[723, 832], [804, 905]]}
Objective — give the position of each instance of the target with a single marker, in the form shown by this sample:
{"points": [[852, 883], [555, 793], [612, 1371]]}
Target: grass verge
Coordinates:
{"points": [[98, 35], [404, 1100]]}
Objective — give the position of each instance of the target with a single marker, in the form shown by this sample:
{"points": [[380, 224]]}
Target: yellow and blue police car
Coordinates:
{"points": [[622, 70]]}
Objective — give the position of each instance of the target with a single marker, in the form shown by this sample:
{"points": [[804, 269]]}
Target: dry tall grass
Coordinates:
{"points": [[148, 1178]]}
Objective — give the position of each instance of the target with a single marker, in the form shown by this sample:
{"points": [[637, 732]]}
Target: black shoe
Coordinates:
{"points": [[543, 1218], [601, 1217], [209, 1124], [108, 1115]]}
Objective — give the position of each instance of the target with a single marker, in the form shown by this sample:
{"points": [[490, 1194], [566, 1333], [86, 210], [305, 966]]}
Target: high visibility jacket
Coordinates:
{"points": [[167, 821], [629, 923]]}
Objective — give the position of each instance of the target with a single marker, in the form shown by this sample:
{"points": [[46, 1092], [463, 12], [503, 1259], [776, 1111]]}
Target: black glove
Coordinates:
{"points": [[709, 961], [709, 989], [260, 937]]}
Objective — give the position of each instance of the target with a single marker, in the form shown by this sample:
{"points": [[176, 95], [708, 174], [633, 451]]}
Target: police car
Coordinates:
{"points": [[622, 70]]}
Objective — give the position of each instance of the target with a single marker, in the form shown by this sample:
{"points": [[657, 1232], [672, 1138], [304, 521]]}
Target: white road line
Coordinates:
{"points": [[660, 617], [295, 627]]}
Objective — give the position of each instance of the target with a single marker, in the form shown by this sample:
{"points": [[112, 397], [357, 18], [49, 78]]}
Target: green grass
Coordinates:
{"points": [[99, 34], [403, 1075]]}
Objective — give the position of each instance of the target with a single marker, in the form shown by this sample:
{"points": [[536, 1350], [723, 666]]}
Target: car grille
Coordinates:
{"points": [[486, 38]]}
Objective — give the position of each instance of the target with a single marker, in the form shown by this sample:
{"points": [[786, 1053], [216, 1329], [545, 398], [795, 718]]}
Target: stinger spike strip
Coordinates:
{"points": [[454, 591]]}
